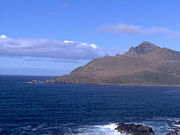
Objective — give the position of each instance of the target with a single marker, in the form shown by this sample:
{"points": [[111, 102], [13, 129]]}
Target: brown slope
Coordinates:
{"points": [[146, 64]]}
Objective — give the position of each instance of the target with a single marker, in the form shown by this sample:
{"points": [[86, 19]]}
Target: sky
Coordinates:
{"points": [[53, 37]]}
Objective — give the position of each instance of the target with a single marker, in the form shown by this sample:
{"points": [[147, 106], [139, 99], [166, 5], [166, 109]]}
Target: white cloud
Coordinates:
{"points": [[94, 46], [3, 36], [139, 30], [67, 41], [52, 49]]}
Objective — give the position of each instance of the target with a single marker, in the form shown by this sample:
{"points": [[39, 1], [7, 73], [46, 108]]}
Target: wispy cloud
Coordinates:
{"points": [[65, 5], [52, 49], [139, 30]]}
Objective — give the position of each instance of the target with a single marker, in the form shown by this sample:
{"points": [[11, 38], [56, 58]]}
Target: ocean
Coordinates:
{"points": [[72, 109]]}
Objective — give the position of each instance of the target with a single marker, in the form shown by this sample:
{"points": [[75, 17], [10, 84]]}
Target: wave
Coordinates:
{"points": [[108, 129], [160, 125]]}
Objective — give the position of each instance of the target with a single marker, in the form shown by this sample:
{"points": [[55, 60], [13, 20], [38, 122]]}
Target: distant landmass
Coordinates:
{"points": [[146, 64]]}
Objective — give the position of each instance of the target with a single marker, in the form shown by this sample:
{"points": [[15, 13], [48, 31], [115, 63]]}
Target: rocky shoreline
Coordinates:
{"points": [[177, 123], [174, 132], [136, 129], [41, 81], [52, 81]]}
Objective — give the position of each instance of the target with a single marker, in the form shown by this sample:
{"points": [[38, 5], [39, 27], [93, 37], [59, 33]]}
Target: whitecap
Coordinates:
{"points": [[108, 129]]}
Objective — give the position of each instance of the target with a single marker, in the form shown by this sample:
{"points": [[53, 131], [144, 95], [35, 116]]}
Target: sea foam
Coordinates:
{"points": [[108, 129]]}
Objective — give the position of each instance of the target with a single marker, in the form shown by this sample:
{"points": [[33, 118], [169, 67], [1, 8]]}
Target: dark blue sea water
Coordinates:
{"points": [[62, 109]]}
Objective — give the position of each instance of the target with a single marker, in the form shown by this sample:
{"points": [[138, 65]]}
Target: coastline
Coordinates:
{"points": [[111, 84]]}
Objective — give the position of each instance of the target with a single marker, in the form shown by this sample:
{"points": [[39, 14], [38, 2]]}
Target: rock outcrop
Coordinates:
{"points": [[177, 123], [174, 132], [134, 129]]}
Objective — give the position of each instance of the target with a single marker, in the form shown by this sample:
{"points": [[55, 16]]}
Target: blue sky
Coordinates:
{"points": [[52, 37]]}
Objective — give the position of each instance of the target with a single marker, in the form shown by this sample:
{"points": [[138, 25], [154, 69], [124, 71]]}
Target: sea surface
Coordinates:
{"points": [[67, 109]]}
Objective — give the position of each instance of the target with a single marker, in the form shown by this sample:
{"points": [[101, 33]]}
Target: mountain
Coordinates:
{"points": [[146, 64]]}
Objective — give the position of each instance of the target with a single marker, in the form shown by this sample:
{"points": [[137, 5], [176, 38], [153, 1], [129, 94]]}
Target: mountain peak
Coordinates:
{"points": [[147, 44], [144, 48]]}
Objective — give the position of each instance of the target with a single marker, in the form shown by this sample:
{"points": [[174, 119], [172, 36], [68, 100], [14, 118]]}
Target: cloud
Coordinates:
{"points": [[3, 36], [139, 30], [65, 5], [48, 48]]}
